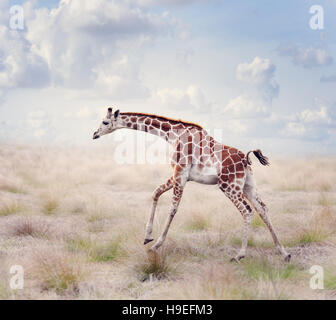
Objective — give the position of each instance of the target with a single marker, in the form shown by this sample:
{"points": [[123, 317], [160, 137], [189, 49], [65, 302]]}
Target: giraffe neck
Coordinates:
{"points": [[168, 129]]}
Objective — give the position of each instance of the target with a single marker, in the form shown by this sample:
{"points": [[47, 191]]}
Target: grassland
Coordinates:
{"points": [[75, 221]]}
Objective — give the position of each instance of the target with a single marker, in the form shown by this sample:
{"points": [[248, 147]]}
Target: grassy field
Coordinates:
{"points": [[75, 221]]}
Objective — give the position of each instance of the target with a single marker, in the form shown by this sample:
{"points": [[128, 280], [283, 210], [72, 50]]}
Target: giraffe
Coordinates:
{"points": [[198, 157]]}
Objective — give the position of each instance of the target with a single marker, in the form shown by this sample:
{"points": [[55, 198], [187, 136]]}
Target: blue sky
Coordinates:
{"points": [[254, 69]]}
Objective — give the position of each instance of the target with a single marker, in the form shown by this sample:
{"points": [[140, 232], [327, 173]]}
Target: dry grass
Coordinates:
{"points": [[75, 221], [57, 271], [28, 226], [9, 206]]}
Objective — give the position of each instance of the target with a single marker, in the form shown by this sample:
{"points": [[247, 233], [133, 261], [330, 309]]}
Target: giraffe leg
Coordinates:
{"points": [[156, 195], [250, 192], [246, 233], [263, 212], [247, 213], [179, 181]]}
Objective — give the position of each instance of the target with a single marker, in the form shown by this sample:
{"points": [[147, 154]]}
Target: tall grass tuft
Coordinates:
{"points": [[28, 226], [10, 207], [59, 271]]}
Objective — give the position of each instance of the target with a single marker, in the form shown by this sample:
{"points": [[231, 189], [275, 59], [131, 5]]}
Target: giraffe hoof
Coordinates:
{"points": [[237, 259], [148, 240], [288, 257]]}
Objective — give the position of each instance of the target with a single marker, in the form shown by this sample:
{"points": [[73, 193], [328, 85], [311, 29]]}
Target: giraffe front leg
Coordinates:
{"points": [[156, 195], [179, 181], [162, 238]]}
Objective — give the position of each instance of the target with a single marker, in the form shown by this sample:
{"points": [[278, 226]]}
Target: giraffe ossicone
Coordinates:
{"points": [[198, 157]]}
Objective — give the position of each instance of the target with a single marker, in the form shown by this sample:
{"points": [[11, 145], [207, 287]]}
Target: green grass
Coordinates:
{"points": [[325, 201], [198, 223], [4, 291], [11, 189], [257, 222], [107, 252], [154, 266], [98, 252], [252, 243], [262, 268], [60, 274], [50, 206], [307, 237], [10, 208], [330, 281]]}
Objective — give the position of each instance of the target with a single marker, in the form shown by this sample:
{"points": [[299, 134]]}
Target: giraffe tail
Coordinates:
{"points": [[263, 159]]}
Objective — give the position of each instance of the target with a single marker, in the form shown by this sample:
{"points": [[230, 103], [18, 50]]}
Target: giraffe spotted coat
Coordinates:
{"points": [[197, 157]]}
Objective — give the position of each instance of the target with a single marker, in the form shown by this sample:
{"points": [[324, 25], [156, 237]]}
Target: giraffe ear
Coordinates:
{"points": [[109, 113], [116, 114]]}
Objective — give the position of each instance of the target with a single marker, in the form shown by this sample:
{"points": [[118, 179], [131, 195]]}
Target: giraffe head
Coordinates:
{"points": [[109, 124]]}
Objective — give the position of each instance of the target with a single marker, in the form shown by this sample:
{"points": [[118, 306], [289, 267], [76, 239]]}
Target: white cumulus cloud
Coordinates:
{"points": [[306, 57], [80, 44]]}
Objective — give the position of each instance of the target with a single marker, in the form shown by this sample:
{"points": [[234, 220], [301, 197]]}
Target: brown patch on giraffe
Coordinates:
{"points": [[156, 123], [147, 122], [178, 126], [165, 126], [224, 185], [235, 158], [240, 175], [239, 167], [227, 162], [133, 119], [233, 150], [241, 155], [231, 168], [231, 178]]}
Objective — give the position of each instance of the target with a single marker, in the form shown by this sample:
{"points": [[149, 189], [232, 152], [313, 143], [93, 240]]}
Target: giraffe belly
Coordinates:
{"points": [[206, 175]]}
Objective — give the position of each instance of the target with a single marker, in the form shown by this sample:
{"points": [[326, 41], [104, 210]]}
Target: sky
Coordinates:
{"points": [[259, 73]]}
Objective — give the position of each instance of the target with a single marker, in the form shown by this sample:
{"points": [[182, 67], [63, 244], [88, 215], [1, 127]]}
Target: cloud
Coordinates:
{"points": [[191, 98], [20, 66], [169, 2], [260, 75], [331, 78], [81, 44], [306, 57], [312, 124], [244, 107], [294, 129]]}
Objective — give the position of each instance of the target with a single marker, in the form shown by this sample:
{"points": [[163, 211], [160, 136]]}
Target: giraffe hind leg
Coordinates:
{"points": [[250, 191], [238, 199]]}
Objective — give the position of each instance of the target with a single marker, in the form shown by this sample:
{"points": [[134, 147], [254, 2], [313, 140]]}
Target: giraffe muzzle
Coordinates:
{"points": [[96, 135]]}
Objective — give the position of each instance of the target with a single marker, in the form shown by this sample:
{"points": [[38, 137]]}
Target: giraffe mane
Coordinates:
{"points": [[171, 120]]}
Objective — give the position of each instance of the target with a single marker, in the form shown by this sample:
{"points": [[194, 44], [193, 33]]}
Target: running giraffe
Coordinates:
{"points": [[198, 157]]}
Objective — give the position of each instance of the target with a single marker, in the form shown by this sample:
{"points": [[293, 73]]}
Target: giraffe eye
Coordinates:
{"points": [[105, 123]]}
